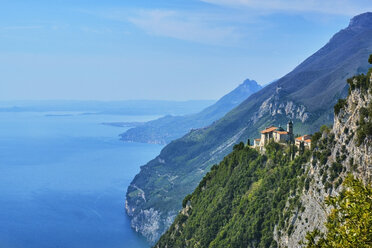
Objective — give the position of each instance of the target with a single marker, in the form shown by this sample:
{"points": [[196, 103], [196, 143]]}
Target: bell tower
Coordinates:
{"points": [[290, 129]]}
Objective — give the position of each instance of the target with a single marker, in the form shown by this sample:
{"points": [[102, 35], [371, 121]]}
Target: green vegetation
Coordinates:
{"points": [[350, 222], [325, 129], [365, 124], [238, 203], [314, 139], [339, 105], [321, 150], [363, 83]]}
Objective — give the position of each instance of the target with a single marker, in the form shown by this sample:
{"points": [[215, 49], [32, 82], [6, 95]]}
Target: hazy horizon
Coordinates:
{"points": [[105, 101]]}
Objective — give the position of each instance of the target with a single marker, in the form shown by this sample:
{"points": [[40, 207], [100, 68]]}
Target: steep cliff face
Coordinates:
{"points": [[306, 95], [345, 149], [274, 106]]}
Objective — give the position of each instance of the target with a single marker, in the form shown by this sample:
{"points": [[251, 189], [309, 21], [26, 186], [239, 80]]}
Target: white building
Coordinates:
{"points": [[276, 134], [306, 140]]}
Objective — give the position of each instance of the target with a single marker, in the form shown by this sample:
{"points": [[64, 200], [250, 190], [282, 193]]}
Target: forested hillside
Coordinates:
{"points": [[239, 202], [269, 200]]}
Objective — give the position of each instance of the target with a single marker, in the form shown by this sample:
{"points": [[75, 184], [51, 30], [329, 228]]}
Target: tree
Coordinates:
{"points": [[302, 148], [293, 151], [350, 222], [239, 146], [370, 59], [325, 129]]}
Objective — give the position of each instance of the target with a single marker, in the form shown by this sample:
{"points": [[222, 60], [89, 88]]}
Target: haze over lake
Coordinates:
{"points": [[63, 179]]}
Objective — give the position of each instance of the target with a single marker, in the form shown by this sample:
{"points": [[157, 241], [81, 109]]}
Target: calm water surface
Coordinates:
{"points": [[63, 181]]}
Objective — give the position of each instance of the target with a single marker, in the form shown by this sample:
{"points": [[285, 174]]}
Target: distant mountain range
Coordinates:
{"points": [[168, 128], [306, 95]]}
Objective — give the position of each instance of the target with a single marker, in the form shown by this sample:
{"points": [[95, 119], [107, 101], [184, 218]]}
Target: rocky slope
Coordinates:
{"points": [[348, 153], [271, 200], [306, 95], [168, 128]]}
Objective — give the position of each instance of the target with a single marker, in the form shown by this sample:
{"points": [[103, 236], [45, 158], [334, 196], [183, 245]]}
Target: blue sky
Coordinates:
{"points": [[166, 49]]}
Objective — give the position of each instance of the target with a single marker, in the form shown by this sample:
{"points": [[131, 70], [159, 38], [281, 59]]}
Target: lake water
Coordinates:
{"points": [[63, 180]]}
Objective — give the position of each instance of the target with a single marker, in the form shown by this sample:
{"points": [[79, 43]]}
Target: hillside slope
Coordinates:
{"points": [[168, 128], [347, 148], [239, 201], [269, 200], [306, 95]]}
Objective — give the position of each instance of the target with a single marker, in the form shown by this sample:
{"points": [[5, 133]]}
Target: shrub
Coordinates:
{"points": [[186, 200], [345, 227], [324, 178], [336, 169], [339, 105], [343, 157], [346, 130], [314, 140], [307, 184], [323, 158], [365, 124], [338, 183], [363, 112], [239, 146]]}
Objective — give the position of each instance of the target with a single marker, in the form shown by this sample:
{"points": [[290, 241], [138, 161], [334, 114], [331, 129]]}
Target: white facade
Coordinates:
{"points": [[276, 134]]}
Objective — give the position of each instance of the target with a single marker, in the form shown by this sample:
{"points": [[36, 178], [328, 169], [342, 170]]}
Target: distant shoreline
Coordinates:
{"points": [[123, 124]]}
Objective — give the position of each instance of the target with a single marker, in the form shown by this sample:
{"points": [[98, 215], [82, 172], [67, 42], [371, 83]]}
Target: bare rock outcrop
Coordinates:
{"points": [[343, 155]]}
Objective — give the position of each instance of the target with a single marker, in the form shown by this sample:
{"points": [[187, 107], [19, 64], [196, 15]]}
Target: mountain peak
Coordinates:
{"points": [[251, 84], [361, 21]]}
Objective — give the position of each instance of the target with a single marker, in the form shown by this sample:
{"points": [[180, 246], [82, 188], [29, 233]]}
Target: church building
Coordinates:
{"points": [[277, 134]]}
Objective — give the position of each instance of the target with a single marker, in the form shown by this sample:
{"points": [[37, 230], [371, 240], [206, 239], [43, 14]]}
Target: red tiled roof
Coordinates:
{"points": [[257, 139], [302, 138], [269, 129], [281, 132]]}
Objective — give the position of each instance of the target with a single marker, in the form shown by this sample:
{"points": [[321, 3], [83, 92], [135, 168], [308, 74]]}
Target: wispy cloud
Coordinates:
{"points": [[338, 7], [227, 22], [194, 27]]}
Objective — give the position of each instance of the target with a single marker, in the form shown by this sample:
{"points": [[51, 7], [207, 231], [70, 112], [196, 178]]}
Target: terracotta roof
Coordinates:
{"points": [[302, 138], [269, 129], [281, 132], [257, 139]]}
